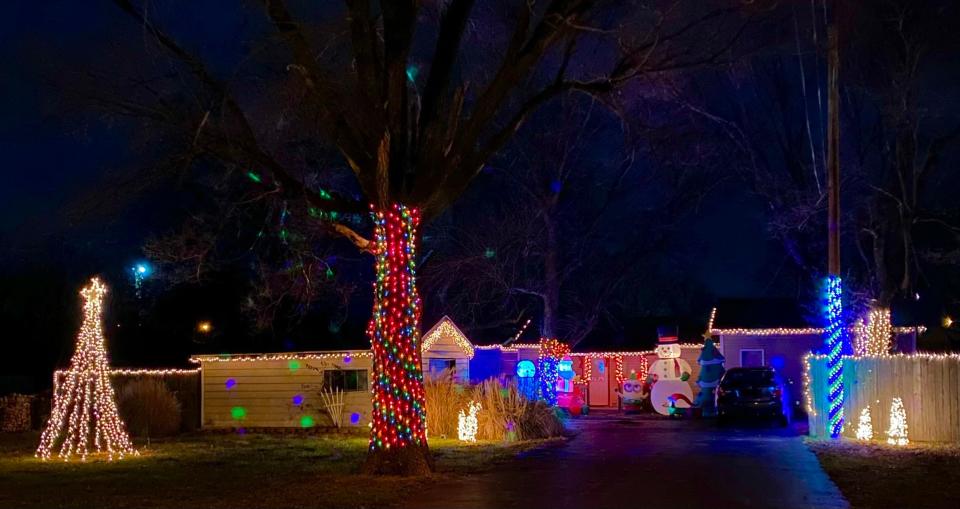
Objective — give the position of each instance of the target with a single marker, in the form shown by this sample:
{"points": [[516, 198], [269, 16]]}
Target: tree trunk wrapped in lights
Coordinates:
{"points": [[552, 352], [398, 442], [84, 414]]}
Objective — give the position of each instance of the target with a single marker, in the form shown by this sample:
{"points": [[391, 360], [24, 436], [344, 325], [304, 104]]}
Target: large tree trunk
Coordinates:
{"points": [[551, 278], [398, 439]]}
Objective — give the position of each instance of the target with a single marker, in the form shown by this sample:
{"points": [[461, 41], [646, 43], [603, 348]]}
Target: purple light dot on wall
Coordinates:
{"points": [[298, 400], [354, 418], [231, 383], [347, 359]]}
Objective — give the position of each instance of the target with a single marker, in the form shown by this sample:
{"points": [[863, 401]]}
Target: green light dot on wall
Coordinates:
{"points": [[306, 421], [238, 412], [294, 365]]}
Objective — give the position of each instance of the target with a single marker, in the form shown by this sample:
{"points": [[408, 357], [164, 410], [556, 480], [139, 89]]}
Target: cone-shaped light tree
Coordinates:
{"points": [[84, 418], [415, 100]]}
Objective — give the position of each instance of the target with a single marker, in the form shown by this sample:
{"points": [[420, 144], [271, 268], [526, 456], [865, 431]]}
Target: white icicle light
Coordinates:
{"points": [[84, 414], [467, 423], [865, 426], [897, 433]]}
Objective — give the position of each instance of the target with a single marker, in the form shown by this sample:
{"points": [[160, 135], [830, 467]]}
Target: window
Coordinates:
{"points": [[751, 358], [347, 380], [438, 366]]}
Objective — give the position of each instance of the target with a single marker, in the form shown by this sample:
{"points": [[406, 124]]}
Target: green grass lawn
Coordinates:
{"points": [[876, 475], [229, 470]]}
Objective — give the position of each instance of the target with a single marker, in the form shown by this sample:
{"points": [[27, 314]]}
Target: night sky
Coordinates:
{"points": [[63, 218]]}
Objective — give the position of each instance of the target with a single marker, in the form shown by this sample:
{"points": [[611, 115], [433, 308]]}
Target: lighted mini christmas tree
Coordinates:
{"points": [[897, 432], [84, 416], [865, 425], [467, 423]]}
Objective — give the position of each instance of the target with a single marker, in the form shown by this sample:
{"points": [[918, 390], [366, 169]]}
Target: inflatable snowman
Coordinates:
{"points": [[669, 375]]}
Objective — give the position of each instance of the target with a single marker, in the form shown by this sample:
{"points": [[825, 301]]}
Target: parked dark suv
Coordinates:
{"points": [[751, 392]]}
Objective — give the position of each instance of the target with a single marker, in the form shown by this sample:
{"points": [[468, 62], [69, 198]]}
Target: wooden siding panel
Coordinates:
{"points": [[265, 390]]}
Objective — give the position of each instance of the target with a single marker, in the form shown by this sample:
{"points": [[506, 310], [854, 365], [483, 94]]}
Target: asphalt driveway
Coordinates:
{"points": [[618, 461]]}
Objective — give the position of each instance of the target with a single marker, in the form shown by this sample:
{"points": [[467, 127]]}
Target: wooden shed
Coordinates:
{"points": [[283, 389], [446, 347]]}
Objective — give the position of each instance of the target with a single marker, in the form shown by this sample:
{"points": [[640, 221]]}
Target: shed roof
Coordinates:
{"points": [[445, 328]]}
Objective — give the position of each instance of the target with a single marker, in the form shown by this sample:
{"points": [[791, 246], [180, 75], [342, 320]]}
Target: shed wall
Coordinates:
{"points": [[265, 391]]}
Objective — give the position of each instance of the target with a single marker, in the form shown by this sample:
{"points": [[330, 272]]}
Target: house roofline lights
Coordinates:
{"points": [[283, 356], [784, 331]]}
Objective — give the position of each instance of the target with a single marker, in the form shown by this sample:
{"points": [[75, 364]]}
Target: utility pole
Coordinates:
{"points": [[834, 332], [833, 141]]}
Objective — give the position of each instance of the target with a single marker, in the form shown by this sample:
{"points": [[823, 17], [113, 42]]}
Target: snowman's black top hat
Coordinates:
{"points": [[667, 334]]}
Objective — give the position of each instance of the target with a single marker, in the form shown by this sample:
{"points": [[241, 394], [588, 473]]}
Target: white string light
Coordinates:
{"points": [[635, 353], [84, 414], [897, 432], [808, 383], [520, 332], [783, 331], [872, 335], [60, 373], [467, 423], [250, 357], [444, 329], [865, 426], [713, 316], [509, 348]]}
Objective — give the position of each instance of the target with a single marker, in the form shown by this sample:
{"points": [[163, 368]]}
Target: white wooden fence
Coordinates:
{"points": [[928, 384]]}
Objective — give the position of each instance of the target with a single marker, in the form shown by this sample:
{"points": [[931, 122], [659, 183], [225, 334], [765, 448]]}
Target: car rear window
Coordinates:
{"points": [[749, 377]]}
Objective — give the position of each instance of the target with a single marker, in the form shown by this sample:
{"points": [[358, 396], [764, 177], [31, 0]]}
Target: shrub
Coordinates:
{"points": [[505, 415], [148, 408]]}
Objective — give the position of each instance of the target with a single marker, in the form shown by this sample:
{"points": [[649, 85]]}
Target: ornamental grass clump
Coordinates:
{"points": [[444, 400], [149, 408], [508, 415], [505, 413]]}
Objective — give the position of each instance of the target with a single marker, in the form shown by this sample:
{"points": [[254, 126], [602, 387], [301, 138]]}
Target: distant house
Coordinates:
{"points": [[778, 333], [278, 390]]}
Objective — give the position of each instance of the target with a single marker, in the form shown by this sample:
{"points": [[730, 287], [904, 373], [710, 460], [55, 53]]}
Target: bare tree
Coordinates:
{"points": [[904, 143], [574, 229], [895, 143], [413, 98]]}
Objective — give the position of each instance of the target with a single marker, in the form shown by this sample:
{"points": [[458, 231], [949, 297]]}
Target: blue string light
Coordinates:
{"points": [[834, 339], [547, 383]]}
